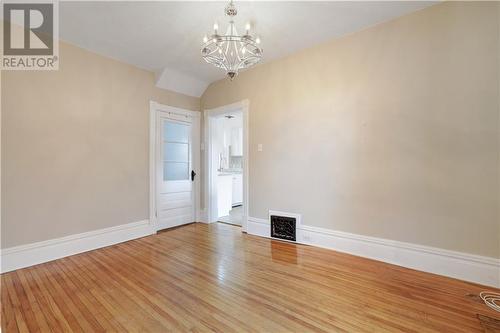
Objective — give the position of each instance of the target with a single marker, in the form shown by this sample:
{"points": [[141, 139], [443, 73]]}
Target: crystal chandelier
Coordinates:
{"points": [[231, 52]]}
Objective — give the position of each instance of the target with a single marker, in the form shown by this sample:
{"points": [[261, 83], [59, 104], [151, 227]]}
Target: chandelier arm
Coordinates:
{"points": [[249, 61], [212, 52], [227, 50], [240, 65], [236, 57], [213, 59], [242, 47], [252, 53], [224, 62]]}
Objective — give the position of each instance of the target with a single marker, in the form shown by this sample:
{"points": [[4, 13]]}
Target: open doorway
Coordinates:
{"points": [[227, 144], [226, 139]]}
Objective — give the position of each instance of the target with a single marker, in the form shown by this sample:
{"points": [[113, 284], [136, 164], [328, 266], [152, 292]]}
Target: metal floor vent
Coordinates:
{"points": [[284, 227]]}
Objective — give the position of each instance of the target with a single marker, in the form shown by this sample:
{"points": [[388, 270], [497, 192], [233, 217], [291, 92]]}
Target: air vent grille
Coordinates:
{"points": [[284, 227]]}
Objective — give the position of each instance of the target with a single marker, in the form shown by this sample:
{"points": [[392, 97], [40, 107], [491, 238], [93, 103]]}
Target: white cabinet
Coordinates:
{"points": [[236, 142], [237, 196], [224, 194]]}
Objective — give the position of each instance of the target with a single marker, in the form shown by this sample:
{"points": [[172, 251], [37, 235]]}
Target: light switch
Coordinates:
{"points": [[259, 147]]}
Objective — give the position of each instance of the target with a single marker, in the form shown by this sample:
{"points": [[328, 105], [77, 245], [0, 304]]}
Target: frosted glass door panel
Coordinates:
{"points": [[176, 152], [175, 132], [175, 171]]}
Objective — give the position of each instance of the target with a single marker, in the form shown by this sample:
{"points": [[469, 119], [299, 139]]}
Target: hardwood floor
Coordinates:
{"points": [[200, 278]]}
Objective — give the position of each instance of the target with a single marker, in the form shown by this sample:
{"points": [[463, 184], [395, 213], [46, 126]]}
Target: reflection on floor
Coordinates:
{"points": [[235, 216], [214, 278]]}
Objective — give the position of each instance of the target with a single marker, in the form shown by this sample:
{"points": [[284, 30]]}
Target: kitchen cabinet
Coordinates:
{"points": [[224, 193], [236, 142], [237, 195]]}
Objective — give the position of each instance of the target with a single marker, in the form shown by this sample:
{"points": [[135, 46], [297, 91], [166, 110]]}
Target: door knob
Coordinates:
{"points": [[193, 174]]}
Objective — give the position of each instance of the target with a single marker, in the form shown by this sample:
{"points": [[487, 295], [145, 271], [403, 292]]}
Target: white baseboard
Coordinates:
{"points": [[468, 267], [258, 227], [36, 253]]}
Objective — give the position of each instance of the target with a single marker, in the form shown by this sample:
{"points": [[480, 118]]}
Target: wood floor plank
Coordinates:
{"points": [[262, 299], [118, 314], [190, 287], [29, 303], [291, 290], [117, 300], [103, 316], [185, 293], [54, 301], [70, 301], [213, 278], [91, 310], [21, 318], [133, 289], [8, 317]]}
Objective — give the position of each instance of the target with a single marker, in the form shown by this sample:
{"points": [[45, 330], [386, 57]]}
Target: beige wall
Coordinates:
{"points": [[390, 132], [75, 146], [498, 122]]}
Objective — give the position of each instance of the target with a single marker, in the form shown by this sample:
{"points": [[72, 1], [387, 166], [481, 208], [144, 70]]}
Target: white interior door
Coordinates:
{"points": [[174, 177]]}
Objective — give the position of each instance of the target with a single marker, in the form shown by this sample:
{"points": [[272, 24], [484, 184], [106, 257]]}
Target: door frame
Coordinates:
{"points": [[155, 111], [209, 180]]}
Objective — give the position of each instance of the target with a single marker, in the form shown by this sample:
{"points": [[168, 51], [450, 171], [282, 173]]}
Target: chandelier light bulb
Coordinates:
{"points": [[257, 40], [216, 27], [247, 28], [205, 39]]}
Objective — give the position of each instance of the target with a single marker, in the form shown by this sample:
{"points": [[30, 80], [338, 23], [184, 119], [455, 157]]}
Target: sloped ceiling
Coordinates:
{"points": [[165, 37]]}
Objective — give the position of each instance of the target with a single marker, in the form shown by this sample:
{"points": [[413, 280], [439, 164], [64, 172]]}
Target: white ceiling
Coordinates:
{"points": [[165, 37]]}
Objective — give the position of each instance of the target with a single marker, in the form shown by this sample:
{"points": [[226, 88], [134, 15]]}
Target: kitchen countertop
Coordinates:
{"points": [[229, 172]]}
